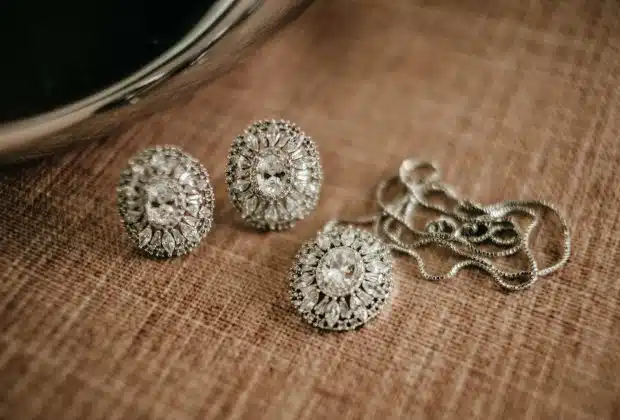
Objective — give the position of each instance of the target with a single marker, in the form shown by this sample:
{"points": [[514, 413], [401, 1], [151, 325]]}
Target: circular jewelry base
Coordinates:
{"points": [[274, 175], [165, 200], [342, 279]]}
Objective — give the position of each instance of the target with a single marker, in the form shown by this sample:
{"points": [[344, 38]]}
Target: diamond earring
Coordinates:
{"points": [[341, 279], [165, 200], [274, 175]]}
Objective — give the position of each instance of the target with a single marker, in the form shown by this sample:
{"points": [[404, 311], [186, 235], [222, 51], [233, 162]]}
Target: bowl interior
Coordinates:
{"points": [[56, 53]]}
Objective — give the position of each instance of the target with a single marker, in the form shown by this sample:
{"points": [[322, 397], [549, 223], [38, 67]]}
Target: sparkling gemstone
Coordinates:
{"points": [[304, 281], [179, 171], [145, 236], [241, 185], [273, 135], [167, 242], [313, 188], [192, 210], [186, 179], [163, 203], [355, 302], [302, 175], [271, 172], [271, 214], [373, 278], [293, 143], [201, 183], [340, 272], [179, 240], [345, 312], [297, 154], [332, 313], [361, 313], [372, 248], [281, 208], [157, 161], [137, 169], [133, 216], [189, 232], [156, 240], [364, 297], [291, 205], [311, 297], [347, 237], [372, 289], [249, 205], [323, 241], [252, 142], [301, 165], [242, 162], [310, 259], [320, 308], [377, 266]]}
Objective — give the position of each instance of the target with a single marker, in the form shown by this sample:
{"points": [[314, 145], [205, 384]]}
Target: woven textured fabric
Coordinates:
{"points": [[513, 99]]}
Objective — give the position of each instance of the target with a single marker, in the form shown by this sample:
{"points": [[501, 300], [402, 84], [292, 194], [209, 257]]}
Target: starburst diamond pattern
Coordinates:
{"points": [[165, 200], [341, 279], [274, 175]]}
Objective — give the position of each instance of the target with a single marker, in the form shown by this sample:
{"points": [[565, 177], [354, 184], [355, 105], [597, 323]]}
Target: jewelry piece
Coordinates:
{"points": [[165, 200], [342, 279], [274, 175], [481, 236]]}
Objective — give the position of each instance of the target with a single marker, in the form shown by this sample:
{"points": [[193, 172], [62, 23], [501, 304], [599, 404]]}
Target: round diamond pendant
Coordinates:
{"points": [[274, 175], [166, 201], [342, 279]]}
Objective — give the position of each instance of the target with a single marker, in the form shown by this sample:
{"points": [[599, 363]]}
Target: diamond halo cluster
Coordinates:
{"points": [[342, 279], [274, 175], [166, 201]]}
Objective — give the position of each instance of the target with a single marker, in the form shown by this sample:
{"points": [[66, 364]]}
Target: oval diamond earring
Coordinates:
{"points": [[274, 175], [165, 200]]}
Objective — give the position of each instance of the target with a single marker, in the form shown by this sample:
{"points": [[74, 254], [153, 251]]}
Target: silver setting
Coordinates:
{"points": [[165, 200], [274, 175], [341, 279]]}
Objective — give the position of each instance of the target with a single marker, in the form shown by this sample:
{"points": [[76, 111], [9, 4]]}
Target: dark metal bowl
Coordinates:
{"points": [[224, 33]]}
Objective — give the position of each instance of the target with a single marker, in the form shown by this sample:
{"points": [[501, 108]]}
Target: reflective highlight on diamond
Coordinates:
{"points": [[271, 174], [164, 202], [340, 271]]}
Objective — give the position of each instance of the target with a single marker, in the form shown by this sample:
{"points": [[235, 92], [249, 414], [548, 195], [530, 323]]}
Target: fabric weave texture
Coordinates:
{"points": [[513, 99]]}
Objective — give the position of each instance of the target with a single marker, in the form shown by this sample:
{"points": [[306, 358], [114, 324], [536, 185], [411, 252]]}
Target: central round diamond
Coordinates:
{"points": [[340, 272], [164, 203], [271, 173]]}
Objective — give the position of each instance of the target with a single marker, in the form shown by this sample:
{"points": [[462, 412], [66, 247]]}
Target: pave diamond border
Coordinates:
{"points": [[301, 194], [356, 308], [198, 215]]}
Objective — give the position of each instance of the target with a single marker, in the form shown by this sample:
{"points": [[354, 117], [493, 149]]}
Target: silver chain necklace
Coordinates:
{"points": [[343, 278]]}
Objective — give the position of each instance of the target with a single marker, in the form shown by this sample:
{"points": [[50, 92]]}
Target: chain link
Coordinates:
{"points": [[479, 234]]}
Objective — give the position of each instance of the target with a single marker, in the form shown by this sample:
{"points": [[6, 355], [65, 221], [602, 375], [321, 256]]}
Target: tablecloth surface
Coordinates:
{"points": [[513, 99]]}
